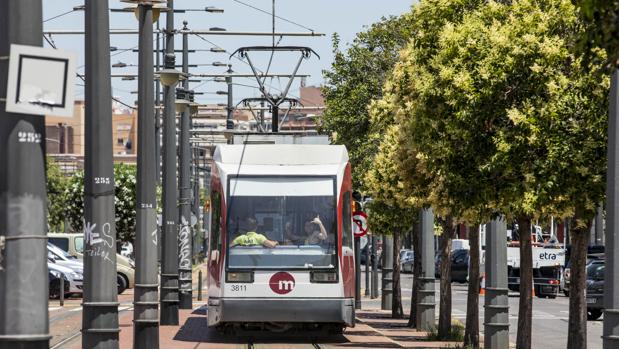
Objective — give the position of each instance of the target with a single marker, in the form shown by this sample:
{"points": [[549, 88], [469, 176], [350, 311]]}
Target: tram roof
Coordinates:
{"points": [[281, 154]]}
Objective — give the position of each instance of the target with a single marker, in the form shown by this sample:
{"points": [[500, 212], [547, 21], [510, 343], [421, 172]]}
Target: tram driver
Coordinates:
{"points": [[314, 233], [252, 238]]}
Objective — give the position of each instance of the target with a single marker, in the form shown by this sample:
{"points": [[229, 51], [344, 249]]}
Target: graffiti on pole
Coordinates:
{"points": [[96, 240], [184, 252]]}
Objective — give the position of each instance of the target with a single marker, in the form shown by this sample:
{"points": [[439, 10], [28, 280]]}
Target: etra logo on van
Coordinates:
{"points": [[282, 283]]}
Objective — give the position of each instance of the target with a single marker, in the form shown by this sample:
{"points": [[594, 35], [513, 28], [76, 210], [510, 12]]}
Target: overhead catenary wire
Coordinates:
{"points": [[278, 17]]}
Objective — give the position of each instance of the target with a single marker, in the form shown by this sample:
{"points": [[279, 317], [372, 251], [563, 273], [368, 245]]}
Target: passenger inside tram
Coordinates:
{"points": [[314, 233], [252, 237]]}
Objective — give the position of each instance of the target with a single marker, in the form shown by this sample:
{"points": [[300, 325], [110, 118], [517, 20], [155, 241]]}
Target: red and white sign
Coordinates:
{"points": [[282, 283], [360, 226]]}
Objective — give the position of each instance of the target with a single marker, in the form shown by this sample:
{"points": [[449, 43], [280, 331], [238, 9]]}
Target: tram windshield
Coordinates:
{"points": [[282, 222]]}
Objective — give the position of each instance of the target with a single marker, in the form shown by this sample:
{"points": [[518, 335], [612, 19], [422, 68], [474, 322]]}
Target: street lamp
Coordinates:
{"points": [[213, 9], [170, 76]]}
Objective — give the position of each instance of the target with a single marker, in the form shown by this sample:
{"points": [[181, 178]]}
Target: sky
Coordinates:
{"points": [[346, 17]]}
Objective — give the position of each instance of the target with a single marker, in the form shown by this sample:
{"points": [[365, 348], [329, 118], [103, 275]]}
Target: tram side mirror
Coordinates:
{"points": [[214, 255]]}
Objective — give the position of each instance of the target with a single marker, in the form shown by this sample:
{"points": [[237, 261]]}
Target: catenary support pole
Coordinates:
{"points": [[146, 300], [23, 270], [367, 267], [426, 299], [611, 272], [100, 321], [496, 307], [387, 274], [185, 233], [195, 207], [357, 273], [169, 265], [374, 259], [230, 106], [157, 109]]}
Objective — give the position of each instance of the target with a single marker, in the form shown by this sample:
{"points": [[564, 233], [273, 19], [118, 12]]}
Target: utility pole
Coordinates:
{"points": [[185, 233], [169, 253], [387, 274], [426, 301], [611, 272], [367, 266], [145, 314], [23, 229], [230, 107], [496, 307], [100, 321]]}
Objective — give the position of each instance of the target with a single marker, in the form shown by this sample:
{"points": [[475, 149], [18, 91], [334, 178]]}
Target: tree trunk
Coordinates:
{"points": [[471, 331], [416, 272], [577, 323], [396, 300], [444, 318], [525, 307]]}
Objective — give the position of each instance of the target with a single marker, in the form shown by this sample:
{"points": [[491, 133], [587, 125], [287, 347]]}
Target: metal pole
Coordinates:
{"points": [[196, 202], [611, 293], [169, 253], [426, 304], [100, 321], [158, 112], [357, 273], [387, 274], [599, 224], [496, 307], [61, 293], [185, 233], [367, 267], [275, 119], [230, 107], [374, 293], [145, 314], [200, 285], [23, 264]]}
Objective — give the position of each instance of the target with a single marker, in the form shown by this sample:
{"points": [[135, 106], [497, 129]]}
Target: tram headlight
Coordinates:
{"points": [[240, 276], [323, 276]]}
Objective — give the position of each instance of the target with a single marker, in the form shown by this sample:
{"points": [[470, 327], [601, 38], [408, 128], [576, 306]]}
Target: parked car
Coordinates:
{"points": [[75, 278], [73, 244], [595, 289], [54, 284], [593, 254], [406, 260]]}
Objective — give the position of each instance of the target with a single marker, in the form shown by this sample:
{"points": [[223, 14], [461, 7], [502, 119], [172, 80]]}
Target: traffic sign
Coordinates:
{"points": [[360, 226], [41, 81]]}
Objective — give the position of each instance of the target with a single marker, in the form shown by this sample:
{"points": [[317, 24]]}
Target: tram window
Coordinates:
{"points": [[282, 222], [346, 221], [215, 242]]}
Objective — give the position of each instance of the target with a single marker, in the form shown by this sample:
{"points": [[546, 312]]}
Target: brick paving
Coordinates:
{"points": [[374, 329]]}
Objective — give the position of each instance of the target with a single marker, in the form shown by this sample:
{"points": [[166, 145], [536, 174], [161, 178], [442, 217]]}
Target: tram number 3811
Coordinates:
{"points": [[238, 288]]}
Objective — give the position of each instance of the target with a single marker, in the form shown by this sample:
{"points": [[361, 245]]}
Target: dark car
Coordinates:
{"points": [[363, 255], [54, 284], [459, 265], [595, 289]]}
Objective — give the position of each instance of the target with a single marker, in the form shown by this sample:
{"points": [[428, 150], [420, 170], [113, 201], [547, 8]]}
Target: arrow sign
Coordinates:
{"points": [[360, 226]]}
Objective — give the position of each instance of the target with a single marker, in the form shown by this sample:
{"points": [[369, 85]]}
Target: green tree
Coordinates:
{"points": [[356, 77], [56, 201], [504, 117], [124, 201]]}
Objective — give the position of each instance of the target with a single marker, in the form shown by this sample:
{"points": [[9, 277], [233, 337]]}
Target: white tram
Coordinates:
{"points": [[281, 243]]}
